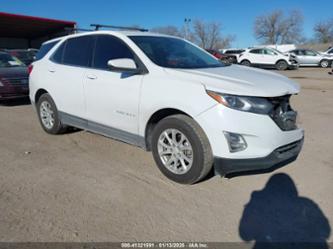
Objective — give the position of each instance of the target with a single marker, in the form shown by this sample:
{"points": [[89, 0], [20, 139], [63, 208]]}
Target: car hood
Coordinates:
{"points": [[13, 72], [239, 80]]}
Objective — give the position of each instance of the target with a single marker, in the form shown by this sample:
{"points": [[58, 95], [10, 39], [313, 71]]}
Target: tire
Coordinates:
{"points": [[195, 138], [281, 65], [47, 106], [324, 63], [245, 63]]}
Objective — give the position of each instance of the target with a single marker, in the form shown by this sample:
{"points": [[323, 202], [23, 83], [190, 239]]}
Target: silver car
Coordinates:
{"points": [[308, 57]]}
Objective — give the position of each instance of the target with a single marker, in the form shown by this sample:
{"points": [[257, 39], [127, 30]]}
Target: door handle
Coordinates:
{"points": [[51, 70], [91, 76]]}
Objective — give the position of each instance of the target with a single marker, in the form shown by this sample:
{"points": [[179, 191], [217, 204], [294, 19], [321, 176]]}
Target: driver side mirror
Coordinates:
{"points": [[122, 65]]}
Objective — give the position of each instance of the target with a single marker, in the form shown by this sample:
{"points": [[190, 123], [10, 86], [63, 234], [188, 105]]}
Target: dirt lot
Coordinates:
{"points": [[85, 187]]}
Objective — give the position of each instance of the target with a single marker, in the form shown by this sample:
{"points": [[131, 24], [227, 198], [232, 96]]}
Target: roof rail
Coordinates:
{"points": [[98, 26], [75, 30]]}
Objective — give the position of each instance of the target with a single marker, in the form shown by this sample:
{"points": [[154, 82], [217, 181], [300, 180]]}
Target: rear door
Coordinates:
{"points": [[311, 57], [67, 70]]}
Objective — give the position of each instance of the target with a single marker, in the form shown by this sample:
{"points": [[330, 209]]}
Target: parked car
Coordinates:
{"points": [[25, 55], [233, 54], [13, 78], [309, 57], [226, 58], [329, 51], [168, 96], [267, 58]]}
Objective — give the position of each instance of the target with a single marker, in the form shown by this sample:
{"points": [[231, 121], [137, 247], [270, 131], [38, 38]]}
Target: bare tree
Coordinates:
{"points": [[275, 28], [167, 30], [324, 31], [208, 35]]}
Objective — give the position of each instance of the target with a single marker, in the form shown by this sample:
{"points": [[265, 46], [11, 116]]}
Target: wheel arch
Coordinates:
{"points": [[155, 118], [245, 60], [329, 62], [281, 60], [38, 94]]}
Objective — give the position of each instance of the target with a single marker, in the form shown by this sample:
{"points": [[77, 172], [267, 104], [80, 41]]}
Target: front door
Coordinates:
{"points": [[112, 98]]}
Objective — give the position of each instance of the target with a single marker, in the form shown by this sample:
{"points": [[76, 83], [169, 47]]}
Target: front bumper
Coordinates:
{"points": [[293, 66], [278, 158]]}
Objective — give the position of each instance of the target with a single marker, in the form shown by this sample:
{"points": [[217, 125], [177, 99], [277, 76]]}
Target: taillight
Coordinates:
{"points": [[30, 67]]}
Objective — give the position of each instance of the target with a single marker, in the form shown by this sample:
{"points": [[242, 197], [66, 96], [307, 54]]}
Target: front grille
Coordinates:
{"points": [[282, 113], [17, 81]]}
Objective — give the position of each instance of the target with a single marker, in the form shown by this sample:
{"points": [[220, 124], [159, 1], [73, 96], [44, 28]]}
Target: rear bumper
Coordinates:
{"points": [[278, 158], [7, 93]]}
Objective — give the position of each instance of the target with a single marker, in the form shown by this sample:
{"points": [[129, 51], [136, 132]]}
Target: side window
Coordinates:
{"points": [[255, 51], [78, 51], [296, 52], [269, 52], [309, 53], [58, 55], [300, 52], [330, 51], [45, 48], [108, 48]]}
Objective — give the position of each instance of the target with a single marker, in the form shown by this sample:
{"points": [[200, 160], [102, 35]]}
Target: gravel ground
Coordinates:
{"points": [[85, 187]]}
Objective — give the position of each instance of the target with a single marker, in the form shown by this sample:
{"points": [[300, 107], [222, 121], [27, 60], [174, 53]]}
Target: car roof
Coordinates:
{"points": [[116, 33]]}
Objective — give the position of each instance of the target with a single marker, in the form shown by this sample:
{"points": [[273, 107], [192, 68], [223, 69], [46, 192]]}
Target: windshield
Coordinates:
{"points": [[7, 60], [174, 53]]}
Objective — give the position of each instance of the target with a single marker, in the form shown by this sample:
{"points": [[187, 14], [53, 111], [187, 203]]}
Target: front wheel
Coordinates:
{"points": [[246, 63], [181, 149], [324, 63], [281, 65]]}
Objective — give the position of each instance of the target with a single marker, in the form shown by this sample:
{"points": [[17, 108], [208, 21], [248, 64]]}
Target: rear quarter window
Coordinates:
{"points": [[45, 48]]}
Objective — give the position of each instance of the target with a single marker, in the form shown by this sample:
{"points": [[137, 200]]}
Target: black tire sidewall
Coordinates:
{"points": [[328, 64], [246, 63], [198, 157], [285, 65], [57, 127]]}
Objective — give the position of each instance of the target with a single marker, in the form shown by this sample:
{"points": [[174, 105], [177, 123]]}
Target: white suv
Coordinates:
{"points": [[169, 96], [267, 57]]}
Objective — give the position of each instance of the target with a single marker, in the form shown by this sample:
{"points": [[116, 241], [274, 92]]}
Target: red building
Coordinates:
{"points": [[20, 31]]}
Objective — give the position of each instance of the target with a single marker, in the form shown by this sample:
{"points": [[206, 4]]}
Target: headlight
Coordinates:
{"points": [[243, 103]]}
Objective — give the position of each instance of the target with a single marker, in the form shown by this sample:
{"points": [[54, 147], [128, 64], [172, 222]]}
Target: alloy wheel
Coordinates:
{"points": [[47, 115], [175, 151]]}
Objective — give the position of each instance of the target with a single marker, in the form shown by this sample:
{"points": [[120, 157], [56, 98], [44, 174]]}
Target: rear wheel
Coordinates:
{"points": [[324, 63], [281, 65], [181, 149], [246, 63], [48, 115]]}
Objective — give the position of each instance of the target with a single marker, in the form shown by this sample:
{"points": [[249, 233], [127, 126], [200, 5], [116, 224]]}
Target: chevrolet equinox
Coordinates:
{"points": [[168, 96]]}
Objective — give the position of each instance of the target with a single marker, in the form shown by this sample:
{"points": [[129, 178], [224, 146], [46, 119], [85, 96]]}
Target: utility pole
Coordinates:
{"points": [[187, 27]]}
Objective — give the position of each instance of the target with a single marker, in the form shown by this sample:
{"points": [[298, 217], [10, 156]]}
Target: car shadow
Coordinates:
{"points": [[15, 102], [277, 217]]}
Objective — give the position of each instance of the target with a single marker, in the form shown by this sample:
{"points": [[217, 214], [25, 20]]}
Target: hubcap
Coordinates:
{"points": [[324, 64], [281, 65], [175, 151], [46, 114]]}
